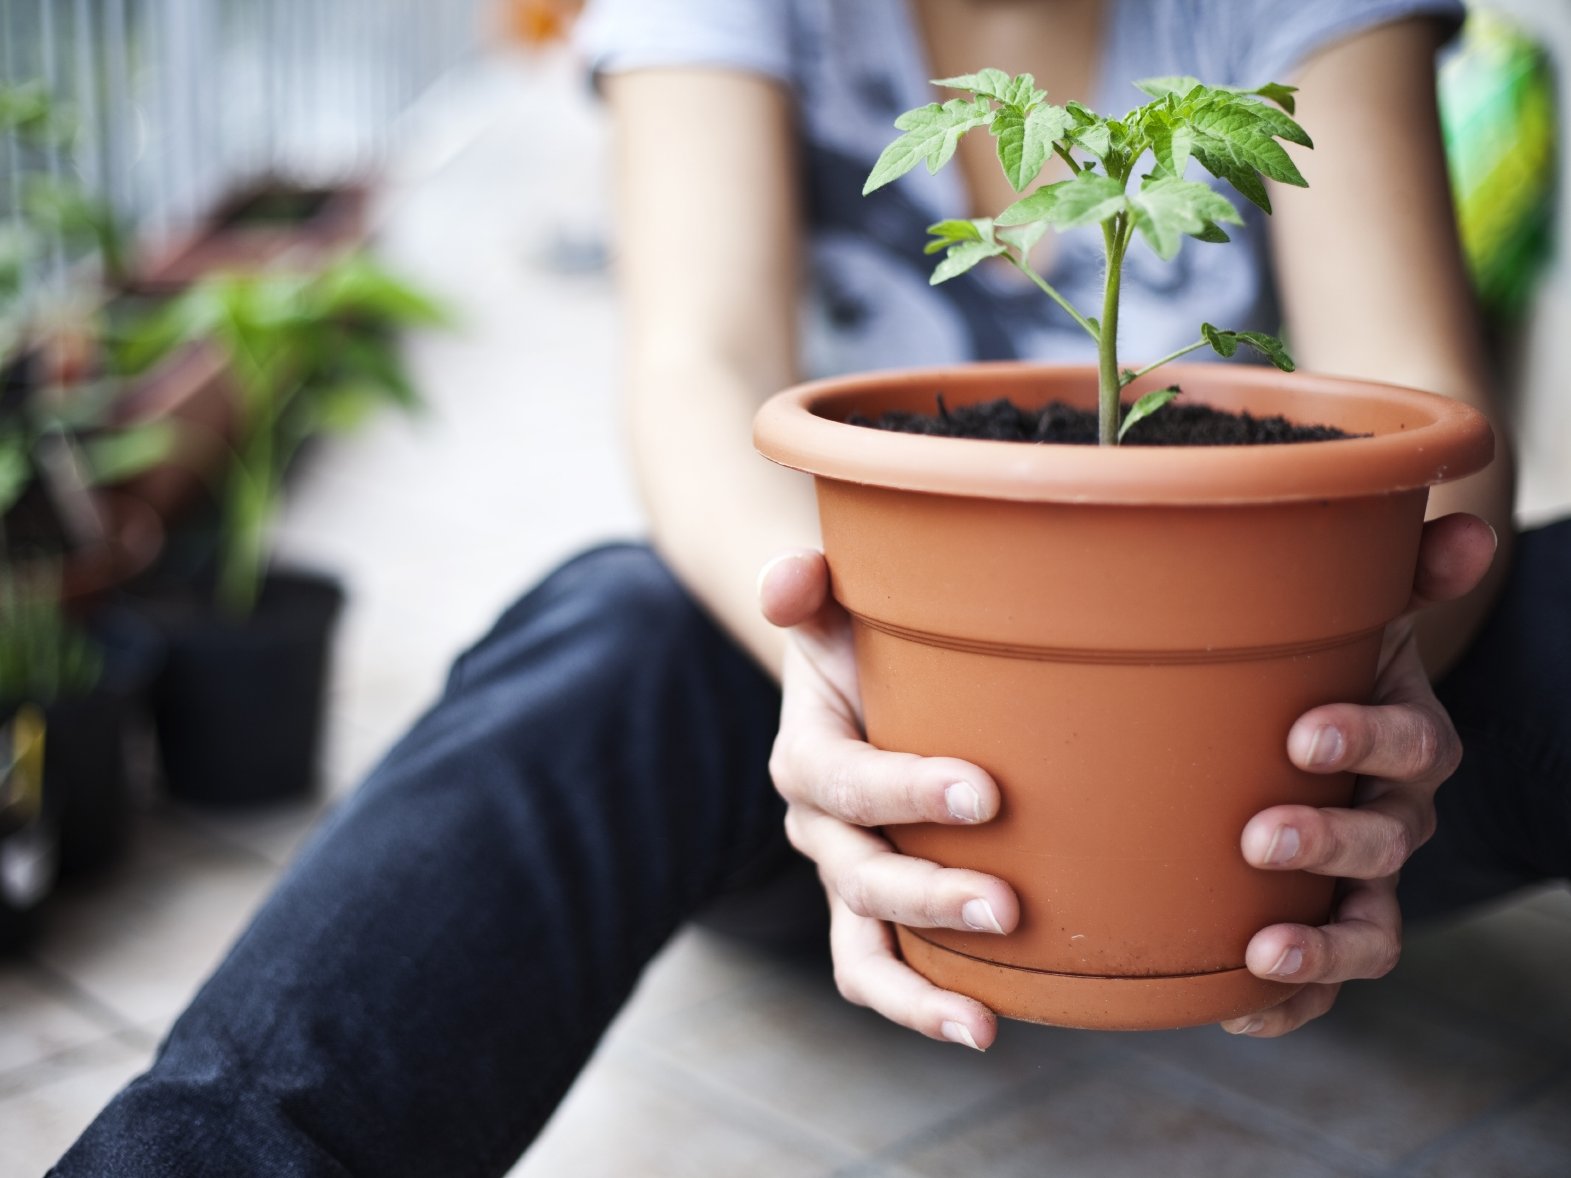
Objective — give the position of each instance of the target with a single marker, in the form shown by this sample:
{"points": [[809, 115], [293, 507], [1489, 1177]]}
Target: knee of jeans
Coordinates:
{"points": [[619, 599]]}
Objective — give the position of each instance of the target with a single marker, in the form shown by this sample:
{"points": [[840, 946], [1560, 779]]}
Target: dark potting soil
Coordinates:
{"points": [[1175, 424], [278, 207]]}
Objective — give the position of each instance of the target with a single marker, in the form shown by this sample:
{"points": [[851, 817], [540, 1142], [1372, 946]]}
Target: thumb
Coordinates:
{"points": [[793, 587]]}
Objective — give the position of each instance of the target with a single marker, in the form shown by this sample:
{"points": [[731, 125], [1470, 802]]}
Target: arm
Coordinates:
{"points": [[709, 242], [1371, 275]]}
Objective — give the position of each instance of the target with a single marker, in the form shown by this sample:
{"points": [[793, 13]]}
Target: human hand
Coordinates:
{"points": [[1402, 746], [837, 787]]}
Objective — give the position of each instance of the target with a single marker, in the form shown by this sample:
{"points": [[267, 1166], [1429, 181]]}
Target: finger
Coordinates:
{"points": [[868, 973], [793, 587], [1308, 1004], [874, 881], [1364, 940], [1370, 842], [865, 786], [1400, 741], [1453, 556]]}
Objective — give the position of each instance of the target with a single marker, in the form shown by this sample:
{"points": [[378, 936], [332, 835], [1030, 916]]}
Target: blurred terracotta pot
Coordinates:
{"points": [[1122, 638]]}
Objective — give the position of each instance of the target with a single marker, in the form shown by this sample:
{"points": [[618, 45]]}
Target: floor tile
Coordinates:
{"points": [[40, 1122], [696, 970], [1553, 901], [38, 1020], [1106, 1125], [1508, 967], [141, 939], [1529, 1141], [623, 1119], [798, 1049], [1382, 1074]]}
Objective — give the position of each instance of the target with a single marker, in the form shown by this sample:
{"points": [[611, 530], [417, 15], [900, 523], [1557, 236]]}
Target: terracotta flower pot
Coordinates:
{"points": [[1122, 638]]}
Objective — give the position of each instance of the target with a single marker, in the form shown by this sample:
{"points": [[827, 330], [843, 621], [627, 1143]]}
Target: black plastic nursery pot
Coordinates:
{"points": [[239, 704], [88, 758]]}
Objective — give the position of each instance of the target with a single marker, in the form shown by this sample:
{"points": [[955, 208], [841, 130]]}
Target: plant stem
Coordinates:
{"points": [[1155, 364], [1108, 384], [1024, 268]]}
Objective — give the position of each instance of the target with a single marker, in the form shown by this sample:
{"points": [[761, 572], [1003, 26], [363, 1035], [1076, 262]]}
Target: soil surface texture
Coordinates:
{"points": [[1175, 424]]}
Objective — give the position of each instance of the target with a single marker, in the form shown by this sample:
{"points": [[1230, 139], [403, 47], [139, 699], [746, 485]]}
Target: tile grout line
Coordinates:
{"points": [[749, 1112], [1495, 1113], [1176, 1080]]}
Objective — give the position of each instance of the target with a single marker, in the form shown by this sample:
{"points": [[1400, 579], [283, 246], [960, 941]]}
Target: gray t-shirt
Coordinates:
{"points": [[853, 65]]}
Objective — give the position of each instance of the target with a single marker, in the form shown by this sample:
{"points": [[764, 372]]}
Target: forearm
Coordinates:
{"points": [[717, 510]]}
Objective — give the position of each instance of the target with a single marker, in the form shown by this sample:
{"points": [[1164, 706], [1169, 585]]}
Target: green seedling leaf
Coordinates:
{"points": [[988, 83], [1213, 233], [963, 257], [1268, 346], [1023, 237], [932, 133], [948, 233], [1172, 143], [1278, 93], [1036, 207], [1167, 209], [1178, 85], [1026, 139], [1234, 145], [1226, 343], [1145, 407], [1088, 199]]}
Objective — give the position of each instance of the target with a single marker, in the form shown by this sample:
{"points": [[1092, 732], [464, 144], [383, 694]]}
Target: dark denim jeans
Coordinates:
{"points": [[435, 969]]}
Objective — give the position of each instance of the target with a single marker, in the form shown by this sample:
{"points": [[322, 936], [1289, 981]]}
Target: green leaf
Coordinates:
{"points": [[1268, 346], [1178, 85], [1036, 207], [1145, 407], [1171, 142], [1234, 145], [16, 471], [932, 133], [1225, 344], [1278, 93], [1022, 92], [988, 83], [121, 454], [1167, 209], [1026, 139], [1213, 233], [1024, 237], [963, 257], [948, 233], [1087, 199]]}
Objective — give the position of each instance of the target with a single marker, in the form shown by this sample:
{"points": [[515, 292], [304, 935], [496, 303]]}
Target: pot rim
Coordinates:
{"points": [[803, 428]]}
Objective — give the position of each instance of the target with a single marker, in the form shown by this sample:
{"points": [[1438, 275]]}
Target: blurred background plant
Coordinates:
{"points": [[311, 353]]}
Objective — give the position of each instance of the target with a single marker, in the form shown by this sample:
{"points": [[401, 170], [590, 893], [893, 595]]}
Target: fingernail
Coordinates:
{"points": [[964, 802], [763, 573], [1326, 747], [1493, 534], [959, 1033], [1248, 1028], [1284, 846], [978, 914], [1289, 963]]}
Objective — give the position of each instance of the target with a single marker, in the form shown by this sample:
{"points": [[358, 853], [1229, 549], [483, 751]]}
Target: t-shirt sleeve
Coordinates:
{"points": [[750, 35], [1286, 32]]}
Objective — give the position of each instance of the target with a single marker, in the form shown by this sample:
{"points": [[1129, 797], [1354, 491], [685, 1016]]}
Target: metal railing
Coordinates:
{"points": [[181, 101]]}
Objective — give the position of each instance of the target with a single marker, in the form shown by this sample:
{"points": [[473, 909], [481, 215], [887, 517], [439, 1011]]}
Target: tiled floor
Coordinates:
{"points": [[729, 1063]]}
